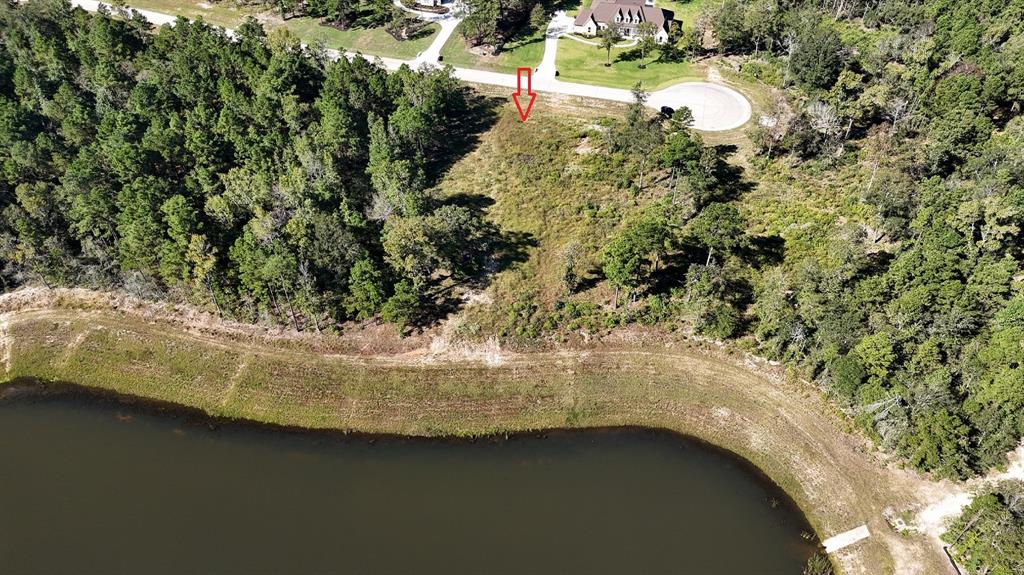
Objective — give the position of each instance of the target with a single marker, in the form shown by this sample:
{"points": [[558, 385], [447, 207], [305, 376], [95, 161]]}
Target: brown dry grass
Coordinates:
{"points": [[783, 426]]}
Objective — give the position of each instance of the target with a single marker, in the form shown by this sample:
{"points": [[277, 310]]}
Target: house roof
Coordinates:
{"points": [[604, 11]]}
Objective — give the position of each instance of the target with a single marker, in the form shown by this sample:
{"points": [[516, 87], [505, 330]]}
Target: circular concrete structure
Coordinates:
{"points": [[715, 108]]}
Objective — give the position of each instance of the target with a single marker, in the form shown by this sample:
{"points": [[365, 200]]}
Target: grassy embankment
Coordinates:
{"points": [[371, 41]]}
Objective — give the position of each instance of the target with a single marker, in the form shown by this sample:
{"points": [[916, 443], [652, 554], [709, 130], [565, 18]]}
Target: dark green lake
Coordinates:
{"points": [[95, 485]]}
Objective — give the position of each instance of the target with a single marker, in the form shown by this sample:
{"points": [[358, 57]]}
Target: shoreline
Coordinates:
{"points": [[674, 468], [785, 430], [26, 388]]}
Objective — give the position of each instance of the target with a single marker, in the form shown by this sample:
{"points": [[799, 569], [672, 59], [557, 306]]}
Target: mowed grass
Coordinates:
{"points": [[525, 51], [371, 41], [225, 14], [583, 63], [684, 12]]}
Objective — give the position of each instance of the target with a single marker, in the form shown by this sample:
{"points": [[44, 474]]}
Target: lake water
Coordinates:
{"points": [[95, 485]]}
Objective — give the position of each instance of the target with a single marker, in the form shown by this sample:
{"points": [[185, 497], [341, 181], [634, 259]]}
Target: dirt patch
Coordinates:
{"points": [[947, 500], [484, 51], [5, 343], [367, 338], [584, 147]]}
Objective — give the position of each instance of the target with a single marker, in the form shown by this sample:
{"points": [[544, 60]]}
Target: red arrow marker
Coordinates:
{"points": [[524, 113]]}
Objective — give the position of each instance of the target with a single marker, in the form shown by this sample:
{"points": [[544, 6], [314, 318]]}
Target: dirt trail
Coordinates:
{"points": [[5, 342], [946, 503], [738, 401]]}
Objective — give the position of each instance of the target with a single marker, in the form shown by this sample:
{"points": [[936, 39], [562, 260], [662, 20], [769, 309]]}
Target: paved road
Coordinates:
{"points": [[156, 18], [715, 107]]}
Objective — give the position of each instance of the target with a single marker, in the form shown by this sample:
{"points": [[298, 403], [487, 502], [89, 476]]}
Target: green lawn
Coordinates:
{"points": [[526, 51], [683, 11], [372, 41], [578, 62], [622, 43]]}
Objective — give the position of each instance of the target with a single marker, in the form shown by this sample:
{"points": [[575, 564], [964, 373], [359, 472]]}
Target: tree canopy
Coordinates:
{"points": [[248, 173]]}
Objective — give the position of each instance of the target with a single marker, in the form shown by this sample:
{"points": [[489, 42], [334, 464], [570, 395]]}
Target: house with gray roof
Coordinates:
{"points": [[627, 14]]}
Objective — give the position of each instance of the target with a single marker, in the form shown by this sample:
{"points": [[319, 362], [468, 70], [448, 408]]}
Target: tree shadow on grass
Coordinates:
{"points": [[527, 37], [421, 32], [732, 182], [763, 251], [589, 280], [491, 251], [495, 250], [669, 53], [631, 55], [672, 274], [462, 135]]}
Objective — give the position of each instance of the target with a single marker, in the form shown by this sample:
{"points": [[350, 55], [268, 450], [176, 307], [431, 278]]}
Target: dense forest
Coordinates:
{"points": [[255, 177], [915, 321], [342, 13], [249, 174]]}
